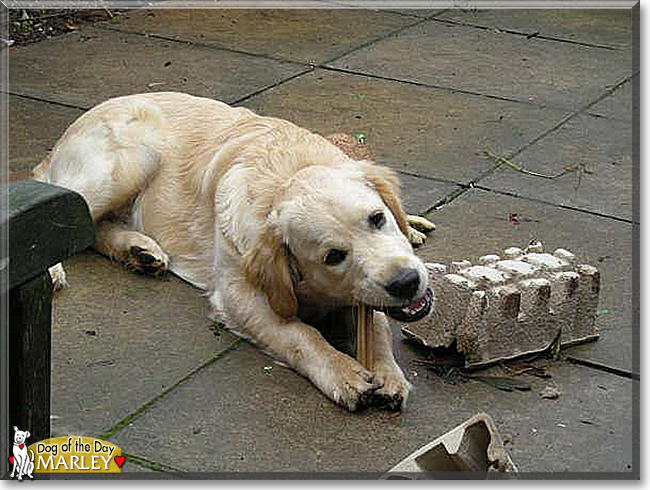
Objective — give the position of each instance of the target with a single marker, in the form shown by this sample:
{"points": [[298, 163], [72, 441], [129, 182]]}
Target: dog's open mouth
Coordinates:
{"points": [[413, 312]]}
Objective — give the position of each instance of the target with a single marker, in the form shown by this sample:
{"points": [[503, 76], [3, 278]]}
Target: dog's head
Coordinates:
{"points": [[337, 236], [20, 436]]}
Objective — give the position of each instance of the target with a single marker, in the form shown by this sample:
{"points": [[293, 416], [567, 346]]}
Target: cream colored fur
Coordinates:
{"points": [[246, 208]]}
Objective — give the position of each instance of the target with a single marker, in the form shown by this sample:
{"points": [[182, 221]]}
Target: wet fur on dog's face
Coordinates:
{"points": [[341, 239]]}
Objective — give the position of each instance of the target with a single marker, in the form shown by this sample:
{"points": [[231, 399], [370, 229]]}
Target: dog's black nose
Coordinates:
{"points": [[405, 284]]}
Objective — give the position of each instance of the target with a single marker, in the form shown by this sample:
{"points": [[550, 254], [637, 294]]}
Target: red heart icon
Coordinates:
{"points": [[11, 460], [21, 446], [119, 460]]}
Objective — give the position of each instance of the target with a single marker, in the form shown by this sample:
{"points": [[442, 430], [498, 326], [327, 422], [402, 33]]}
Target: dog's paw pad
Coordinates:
{"points": [[146, 262], [394, 402]]}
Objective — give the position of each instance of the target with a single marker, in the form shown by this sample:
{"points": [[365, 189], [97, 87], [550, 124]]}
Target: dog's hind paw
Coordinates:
{"points": [[152, 261], [418, 228], [416, 238]]}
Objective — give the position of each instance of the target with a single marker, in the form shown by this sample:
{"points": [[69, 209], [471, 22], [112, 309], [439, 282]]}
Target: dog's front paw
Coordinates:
{"points": [[348, 383], [394, 387], [57, 274]]}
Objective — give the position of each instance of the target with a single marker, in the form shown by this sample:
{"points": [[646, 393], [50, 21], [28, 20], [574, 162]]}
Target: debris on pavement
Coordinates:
{"points": [[550, 393], [452, 373], [502, 383], [474, 446], [579, 169], [353, 145], [26, 26]]}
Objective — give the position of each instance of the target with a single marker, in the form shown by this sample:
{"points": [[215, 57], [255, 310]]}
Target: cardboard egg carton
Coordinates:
{"points": [[474, 447], [509, 306]]}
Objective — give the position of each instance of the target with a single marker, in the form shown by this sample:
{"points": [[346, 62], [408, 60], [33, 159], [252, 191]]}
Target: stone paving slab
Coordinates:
{"points": [[119, 339], [117, 63], [611, 28], [256, 416], [34, 128], [601, 146], [307, 36], [477, 224], [497, 64], [430, 132]]}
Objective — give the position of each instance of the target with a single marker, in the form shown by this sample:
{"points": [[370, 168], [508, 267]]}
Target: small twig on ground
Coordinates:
{"points": [[579, 168]]}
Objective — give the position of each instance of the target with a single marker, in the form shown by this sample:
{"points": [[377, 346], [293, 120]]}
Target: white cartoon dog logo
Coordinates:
{"points": [[23, 464]]}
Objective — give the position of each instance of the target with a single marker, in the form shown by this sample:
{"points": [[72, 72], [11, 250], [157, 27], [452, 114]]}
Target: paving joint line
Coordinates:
{"points": [[578, 112], [405, 14], [427, 177], [188, 42], [364, 45], [624, 373], [46, 101], [529, 35], [448, 198], [271, 86], [549, 203], [112, 431], [449, 89]]}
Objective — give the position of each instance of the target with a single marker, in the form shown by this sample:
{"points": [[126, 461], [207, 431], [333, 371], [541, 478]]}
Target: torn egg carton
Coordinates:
{"points": [[474, 446], [506, 307]]}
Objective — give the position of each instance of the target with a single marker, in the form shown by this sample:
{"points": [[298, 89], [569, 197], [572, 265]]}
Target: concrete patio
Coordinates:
{"points": [[137, 361]]}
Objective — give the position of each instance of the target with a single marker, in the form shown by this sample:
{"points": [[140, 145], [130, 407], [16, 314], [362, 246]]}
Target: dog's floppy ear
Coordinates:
{"points": [[386, 183], [267, 268]]}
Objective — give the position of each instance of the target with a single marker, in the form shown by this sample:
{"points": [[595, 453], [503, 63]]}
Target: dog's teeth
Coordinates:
{"points": [[413, 308]]}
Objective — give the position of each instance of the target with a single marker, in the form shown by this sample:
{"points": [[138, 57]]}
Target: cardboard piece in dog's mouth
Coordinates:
{"points": [[413, 312]]}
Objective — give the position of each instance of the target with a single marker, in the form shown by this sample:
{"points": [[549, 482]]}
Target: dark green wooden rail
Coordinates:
{"points": [[46, 224]]}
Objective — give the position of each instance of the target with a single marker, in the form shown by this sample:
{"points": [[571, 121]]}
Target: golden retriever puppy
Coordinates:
{"points": [[278, 225]]}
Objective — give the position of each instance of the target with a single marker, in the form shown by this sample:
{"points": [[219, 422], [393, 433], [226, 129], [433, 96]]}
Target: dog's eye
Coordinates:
{"points": [[377, 219], [335, 256]]}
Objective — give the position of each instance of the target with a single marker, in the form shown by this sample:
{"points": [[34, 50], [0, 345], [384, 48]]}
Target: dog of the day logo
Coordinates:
{"points": [[67, 454]]}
